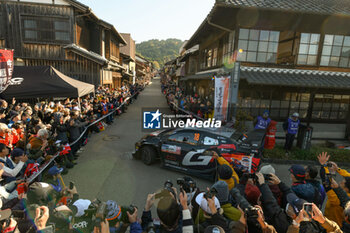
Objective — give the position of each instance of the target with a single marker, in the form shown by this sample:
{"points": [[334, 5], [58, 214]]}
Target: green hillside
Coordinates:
{"points": [[159, 51]]}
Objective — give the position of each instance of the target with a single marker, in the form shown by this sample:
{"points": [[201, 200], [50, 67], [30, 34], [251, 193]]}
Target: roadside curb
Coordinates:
{"points": [[290, 162]]}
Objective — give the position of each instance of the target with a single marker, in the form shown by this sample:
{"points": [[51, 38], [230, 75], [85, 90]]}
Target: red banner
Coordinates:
{"points": [[6, 68]]}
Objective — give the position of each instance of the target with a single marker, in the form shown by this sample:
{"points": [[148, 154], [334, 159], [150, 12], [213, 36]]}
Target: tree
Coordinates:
{"points": [[156, 65], [160, 51]]}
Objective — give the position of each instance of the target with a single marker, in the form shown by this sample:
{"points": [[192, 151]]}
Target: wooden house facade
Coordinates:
{"points": [[294, 57], [62, 33]]}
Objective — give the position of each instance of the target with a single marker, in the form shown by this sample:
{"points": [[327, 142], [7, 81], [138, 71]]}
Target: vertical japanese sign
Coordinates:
{"points": [[222, 85], [6, 68]]}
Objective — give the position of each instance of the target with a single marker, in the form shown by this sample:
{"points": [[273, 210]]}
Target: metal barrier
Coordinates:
{"points": [[35, 175]]}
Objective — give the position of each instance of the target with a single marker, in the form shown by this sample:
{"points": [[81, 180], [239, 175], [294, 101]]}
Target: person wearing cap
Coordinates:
{"points": [[223, 194], [302, 189], [262, 122], [210, 212], [295, 211], [54, 179], [290, 127], [269, 170], [114, 217], [12, 169], [226, 171]]}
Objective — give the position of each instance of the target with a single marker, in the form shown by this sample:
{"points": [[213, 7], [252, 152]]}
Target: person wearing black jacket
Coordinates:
{"points": [[74, 129], [274, 214]]}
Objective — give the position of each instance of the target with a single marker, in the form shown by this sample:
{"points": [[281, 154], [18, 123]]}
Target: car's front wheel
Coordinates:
{"points": [[148, 155]]}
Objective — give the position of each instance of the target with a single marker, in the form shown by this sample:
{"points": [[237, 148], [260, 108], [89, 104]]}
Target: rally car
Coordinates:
{"points": [[184, 150]]}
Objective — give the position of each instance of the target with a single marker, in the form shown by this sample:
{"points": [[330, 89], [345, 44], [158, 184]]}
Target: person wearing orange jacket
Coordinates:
{"points": [[226, 171], [333, 209], [5, 135]]}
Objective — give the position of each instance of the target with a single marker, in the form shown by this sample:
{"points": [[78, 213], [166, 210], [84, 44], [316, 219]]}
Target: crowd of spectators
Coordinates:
{"points": [[236, 202], [192, 104], [39, 142]]}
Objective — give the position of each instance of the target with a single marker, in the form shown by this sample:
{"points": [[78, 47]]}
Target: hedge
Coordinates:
{"points": [[337, 155]]}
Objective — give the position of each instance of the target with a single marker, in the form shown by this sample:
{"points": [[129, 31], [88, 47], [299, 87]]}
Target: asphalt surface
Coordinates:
{"points": [[106, 169]]}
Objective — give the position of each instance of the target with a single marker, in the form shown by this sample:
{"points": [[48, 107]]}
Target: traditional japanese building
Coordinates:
{"points": [[65, 34], [128, 54], [294, 57]]}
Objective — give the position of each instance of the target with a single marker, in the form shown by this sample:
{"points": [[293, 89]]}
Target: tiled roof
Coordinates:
{"points": [[328, 7], [92, 55], [296, 77]]}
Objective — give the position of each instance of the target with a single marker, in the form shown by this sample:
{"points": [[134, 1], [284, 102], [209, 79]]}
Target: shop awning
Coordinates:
{"points": [[295, 77], [45, 82]]}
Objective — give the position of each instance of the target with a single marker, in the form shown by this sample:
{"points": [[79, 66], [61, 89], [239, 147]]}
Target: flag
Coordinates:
{"points": [[6, 68]]}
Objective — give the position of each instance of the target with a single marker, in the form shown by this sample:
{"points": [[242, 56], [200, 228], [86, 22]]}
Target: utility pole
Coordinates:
{"points": [[234, 86]]}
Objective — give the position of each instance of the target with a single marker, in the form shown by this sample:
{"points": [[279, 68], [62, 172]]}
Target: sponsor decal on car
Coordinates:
{"points": [[171, 149], [195, 158]]}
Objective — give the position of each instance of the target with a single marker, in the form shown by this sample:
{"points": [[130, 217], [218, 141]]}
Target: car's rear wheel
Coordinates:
{"points": [[148, 155]]}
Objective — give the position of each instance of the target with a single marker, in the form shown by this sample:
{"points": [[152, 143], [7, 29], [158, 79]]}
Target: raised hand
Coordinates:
{"points": [[323, 158]]}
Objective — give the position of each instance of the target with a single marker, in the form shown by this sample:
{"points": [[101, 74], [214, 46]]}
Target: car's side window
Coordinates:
{"points": [[209, 141], [187, 137]]}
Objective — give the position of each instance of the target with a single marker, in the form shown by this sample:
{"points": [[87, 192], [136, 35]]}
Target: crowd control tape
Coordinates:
{"points": [[35, 175], [100, 119]]}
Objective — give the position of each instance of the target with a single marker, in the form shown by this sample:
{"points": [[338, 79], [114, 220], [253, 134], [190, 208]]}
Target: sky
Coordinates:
{"points": [[153, 19]]}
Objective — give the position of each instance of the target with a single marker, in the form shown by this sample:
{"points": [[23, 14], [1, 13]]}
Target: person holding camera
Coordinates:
{"points": [[344, 203], [8, 223], [273, 212], [333, 209], [269, 171], [174, 217], [311, 219], [209, 213]]}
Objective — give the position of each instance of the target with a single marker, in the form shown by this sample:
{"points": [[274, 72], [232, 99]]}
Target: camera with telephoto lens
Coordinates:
{"points": [[186, 185], [168, 188], [251, 212], [20, 215], [267, 177], [168, 184], [124, 216], [151, 228], [53, 146], [210, 194], [97, 211]]}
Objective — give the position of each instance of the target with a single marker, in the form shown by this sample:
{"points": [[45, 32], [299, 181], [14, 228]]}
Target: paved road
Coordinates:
{"points": [[106, 169]]}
